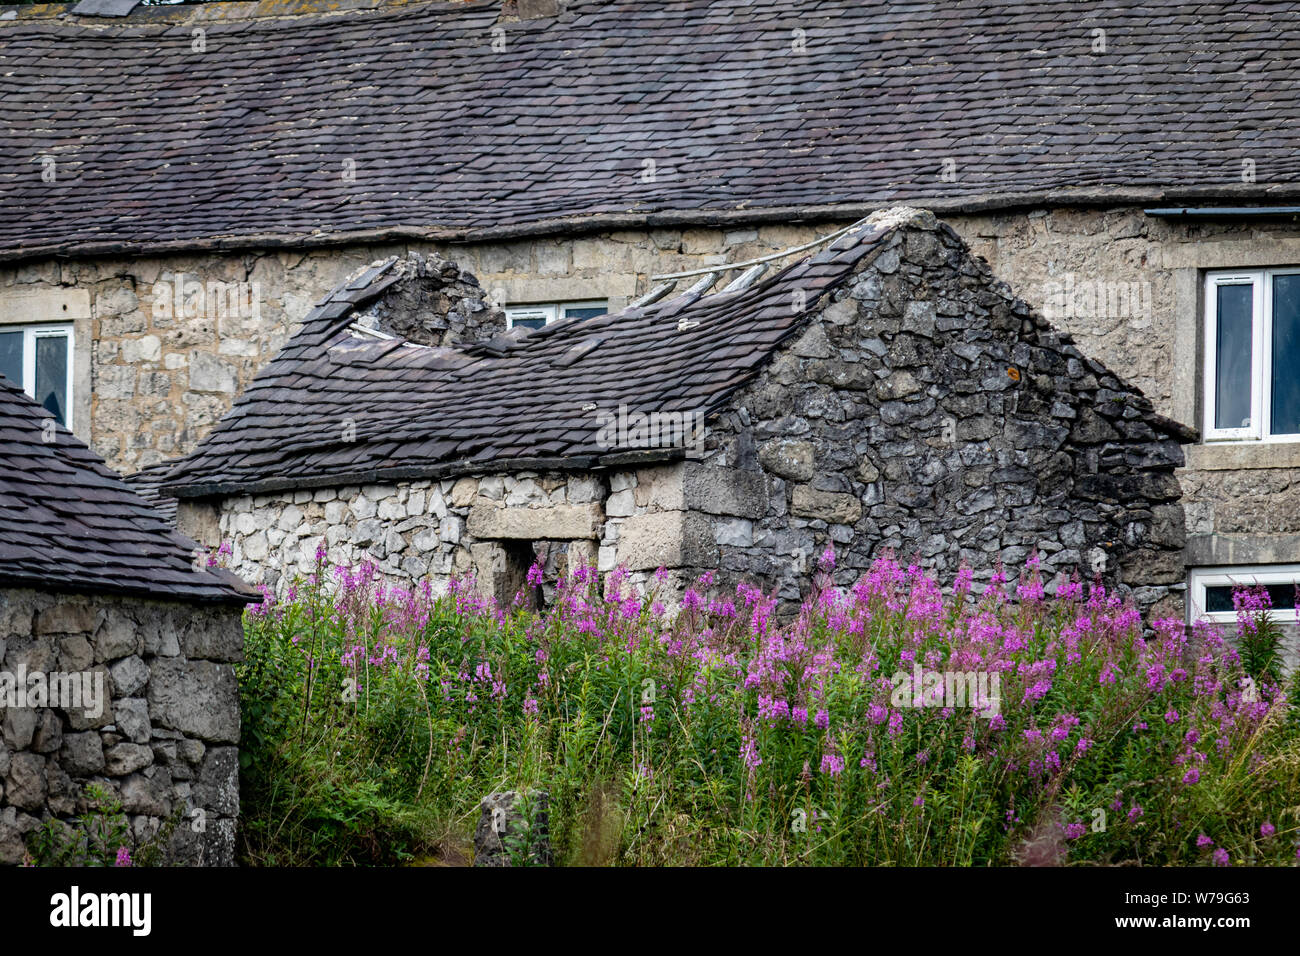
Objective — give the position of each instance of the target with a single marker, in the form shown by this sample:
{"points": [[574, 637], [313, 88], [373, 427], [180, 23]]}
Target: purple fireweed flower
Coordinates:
{"points": [[1221, 857], [1192, 776], [1203, 841], [123, 857], [827, 560], [1074, 831], [832, 764], [1134, 812], [1266, 829]]}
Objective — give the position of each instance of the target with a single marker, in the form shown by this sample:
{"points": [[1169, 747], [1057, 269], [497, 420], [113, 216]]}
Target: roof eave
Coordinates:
{"points": [[569, 226]]}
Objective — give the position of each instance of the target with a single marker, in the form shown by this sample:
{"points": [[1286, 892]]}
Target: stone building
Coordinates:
{"points": [[116, 646], [182, 182], [885, 391]]}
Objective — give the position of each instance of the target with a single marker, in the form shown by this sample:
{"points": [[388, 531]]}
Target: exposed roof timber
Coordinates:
{"points": [[761, 259], [654, 295], [746, 278]]}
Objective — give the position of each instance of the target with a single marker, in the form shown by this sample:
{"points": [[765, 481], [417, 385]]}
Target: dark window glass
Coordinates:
{"points": [[52, 375], [1286, 355], [590, 313], [1233, 348], [527, 323], [1219, 597], [11, 357]]}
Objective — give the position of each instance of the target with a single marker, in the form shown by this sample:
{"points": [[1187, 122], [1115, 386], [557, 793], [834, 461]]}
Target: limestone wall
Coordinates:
{"points": [[412, 530], [163, 740], [930, 412]]}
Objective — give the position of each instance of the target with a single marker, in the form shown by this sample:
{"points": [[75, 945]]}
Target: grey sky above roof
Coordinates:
{"points": [[119, 134], [69, 524]]}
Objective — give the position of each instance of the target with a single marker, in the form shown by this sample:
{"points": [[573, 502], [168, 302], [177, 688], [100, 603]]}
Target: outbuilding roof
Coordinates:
{"points": [[341, 406], [304, 123], [69, 524], [338, 405]]}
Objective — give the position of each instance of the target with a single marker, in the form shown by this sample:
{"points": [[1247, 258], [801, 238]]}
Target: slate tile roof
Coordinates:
{"points": [[525, 399], [67, 523], [146, 482], [159, 147]]}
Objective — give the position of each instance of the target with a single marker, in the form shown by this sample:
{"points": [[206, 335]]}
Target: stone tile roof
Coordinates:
{"points": [[159, 147], [68, 523], [525, 399], [146, 482]]}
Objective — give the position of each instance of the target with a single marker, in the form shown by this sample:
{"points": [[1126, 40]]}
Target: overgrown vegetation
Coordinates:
{"points": [[375, 719], [99, 836]]}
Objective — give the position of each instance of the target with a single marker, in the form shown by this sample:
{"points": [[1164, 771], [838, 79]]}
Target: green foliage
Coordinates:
{"points": [[101, 836], [376, 719]]}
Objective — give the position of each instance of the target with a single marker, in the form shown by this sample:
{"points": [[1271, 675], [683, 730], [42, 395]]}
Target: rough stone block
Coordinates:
{"points": [[197, 698], [788, 458], [555, 522], [830, 506], [65, 619], [666, 539]]}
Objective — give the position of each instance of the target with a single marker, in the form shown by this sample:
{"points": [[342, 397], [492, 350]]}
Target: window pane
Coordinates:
{"points": [[1219, 598], [584, 313], [52, 375], [1286, 355], [1233, 349], [11, 357], [530, 317]]}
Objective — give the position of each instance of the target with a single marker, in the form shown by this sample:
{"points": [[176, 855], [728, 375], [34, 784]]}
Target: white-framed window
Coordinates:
{"points": [[535, 316], [1252, 355], [1209, 590], [38, 359]]}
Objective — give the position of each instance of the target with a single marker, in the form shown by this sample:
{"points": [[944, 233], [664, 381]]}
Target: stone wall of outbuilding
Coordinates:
{"points": [[164, 741], [930, 412]]}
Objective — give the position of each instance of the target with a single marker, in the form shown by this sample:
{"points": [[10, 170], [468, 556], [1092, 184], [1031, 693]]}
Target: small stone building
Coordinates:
{"points": [[885, 391], [116, 650]]}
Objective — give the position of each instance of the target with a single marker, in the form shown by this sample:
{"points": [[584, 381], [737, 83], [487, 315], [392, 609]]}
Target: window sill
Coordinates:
{"points": [[1232, 456]]}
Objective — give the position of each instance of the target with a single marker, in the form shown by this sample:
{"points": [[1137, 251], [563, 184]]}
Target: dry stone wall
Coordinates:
{"points": [[162, 739], [494, 525], [930, 412]]}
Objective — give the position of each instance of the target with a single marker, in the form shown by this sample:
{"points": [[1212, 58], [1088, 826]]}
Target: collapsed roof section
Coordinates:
{"points": [[340, 405]]}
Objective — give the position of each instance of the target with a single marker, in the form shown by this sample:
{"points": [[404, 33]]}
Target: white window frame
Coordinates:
{"points": [[1236, 576], [46, 330], [550, 311], [1261, 363]]}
